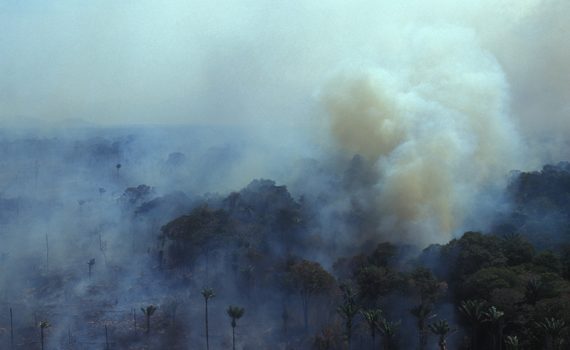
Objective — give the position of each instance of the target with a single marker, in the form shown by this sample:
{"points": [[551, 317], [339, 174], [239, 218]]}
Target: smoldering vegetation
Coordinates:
{"points": [[113, 239]]}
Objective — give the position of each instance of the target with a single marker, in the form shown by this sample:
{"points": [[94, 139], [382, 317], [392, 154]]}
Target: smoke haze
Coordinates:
{"points": [[442, 98]]}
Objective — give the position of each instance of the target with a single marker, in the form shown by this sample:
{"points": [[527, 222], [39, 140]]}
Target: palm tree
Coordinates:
{"points": [[148, 312], [495, 317], [43, 325], [207, 293], [348, 310], [512, 342], [372, 317], [442, 330], [553, 329], [90, 263], [423, 312], [235, 313], [388, 329], [472, 310]]}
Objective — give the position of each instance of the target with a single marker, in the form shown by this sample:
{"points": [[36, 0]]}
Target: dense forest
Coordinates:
{"points": [[93, 259]]}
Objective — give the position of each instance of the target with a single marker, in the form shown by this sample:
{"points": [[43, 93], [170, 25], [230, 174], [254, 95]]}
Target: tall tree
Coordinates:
{"points": [[553, 330], [207, 293], [512, 342], [43, 325], [148, 312], [422, 313], [473, 312], [310, 279], [235, 313], [388, 330], [90, 263], [495, 318]]}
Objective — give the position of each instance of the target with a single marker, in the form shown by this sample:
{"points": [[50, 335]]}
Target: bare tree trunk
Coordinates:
{"points": [[305, 299], [207, 334], [11, 330], [234, 337], [106, 338]]}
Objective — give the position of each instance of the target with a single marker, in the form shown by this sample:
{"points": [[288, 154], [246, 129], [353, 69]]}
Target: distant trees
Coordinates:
{"points": [[235, 313], [90, 263], [309, 279]]}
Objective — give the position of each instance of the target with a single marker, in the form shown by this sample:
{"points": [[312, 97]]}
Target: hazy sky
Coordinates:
{"points": [[249, 61]]}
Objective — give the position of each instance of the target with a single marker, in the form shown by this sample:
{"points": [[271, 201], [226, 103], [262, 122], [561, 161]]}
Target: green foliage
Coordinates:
{"points": [[493, 315], [516, 249], [374, 282], [440, 328], [426, 285], [389, 329], [473, 311], [474, 251], [383, 254], [310, 278], [372, 317], [565, 261], [482, 283], [512, 342], [200, 231], [548, 261], [553, 330]]}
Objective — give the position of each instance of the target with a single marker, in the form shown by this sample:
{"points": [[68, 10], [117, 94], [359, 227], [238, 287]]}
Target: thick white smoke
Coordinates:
{"points": [[434, 118]]}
